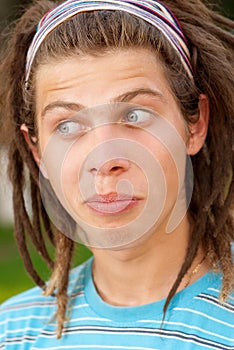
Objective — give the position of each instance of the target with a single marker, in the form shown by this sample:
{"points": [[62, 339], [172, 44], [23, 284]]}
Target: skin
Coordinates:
{"points": [[139, 274]]}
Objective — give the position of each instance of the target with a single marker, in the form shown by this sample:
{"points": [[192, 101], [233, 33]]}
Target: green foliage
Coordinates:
{"points": [[14, 279]]}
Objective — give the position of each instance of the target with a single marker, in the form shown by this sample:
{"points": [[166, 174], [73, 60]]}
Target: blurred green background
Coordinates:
{"points": [[13, 278]]}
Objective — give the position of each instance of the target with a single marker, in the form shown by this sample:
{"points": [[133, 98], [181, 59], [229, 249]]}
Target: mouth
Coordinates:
{"points": [[112, 203]]}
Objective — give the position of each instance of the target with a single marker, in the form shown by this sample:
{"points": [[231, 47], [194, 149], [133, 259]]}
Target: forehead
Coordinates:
{"points": [[96, 80]]}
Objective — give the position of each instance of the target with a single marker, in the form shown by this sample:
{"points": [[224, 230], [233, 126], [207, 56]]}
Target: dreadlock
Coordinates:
{"points": [[211, 48], [22, 168]]}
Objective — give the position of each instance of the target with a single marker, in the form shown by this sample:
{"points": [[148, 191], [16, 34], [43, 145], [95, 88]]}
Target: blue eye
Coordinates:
{"points": [[138, 116], [69, 128]]}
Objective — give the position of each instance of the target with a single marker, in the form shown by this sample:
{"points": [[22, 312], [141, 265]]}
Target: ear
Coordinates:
{"points": [[198, 131], [31, 143], [34, 148]]}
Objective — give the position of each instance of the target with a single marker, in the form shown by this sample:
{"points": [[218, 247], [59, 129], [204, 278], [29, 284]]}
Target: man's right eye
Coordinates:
{"points": [[70, 128]]}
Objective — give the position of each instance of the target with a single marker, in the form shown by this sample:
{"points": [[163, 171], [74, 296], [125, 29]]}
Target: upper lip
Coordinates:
{"points": [[111, 197]]}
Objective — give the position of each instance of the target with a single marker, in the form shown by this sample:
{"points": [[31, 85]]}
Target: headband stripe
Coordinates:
{"points": [[164, 18], [153, 12]]}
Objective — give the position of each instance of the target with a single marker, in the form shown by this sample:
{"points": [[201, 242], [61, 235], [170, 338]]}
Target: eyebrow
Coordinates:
{"points": [[125, 97], [128, 96], [70, 106]]}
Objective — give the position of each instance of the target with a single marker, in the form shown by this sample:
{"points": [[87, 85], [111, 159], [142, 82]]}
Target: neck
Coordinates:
{"points": [[145, 273]]}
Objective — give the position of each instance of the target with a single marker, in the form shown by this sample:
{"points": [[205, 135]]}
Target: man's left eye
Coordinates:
{"points": [[138, 116]]}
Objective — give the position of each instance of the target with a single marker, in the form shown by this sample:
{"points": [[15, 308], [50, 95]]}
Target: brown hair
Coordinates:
{"points": [[211, 47]]}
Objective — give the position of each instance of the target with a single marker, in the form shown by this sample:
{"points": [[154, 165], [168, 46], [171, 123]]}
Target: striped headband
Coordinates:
{"points": [[151, 11]]}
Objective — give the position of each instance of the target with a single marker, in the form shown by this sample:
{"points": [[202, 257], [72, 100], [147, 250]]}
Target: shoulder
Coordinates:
{"points": [[207, 292], [34, 296], [31, 310], [31, 299], [22, 317], [201, 306], [211, 298], [210, 302], [200, 316]]}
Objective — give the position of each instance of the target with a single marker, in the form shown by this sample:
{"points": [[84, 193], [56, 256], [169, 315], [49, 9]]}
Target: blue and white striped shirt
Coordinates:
{"points": [[195, 320]]}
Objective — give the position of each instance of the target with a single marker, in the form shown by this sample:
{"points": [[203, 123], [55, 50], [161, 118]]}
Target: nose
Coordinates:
{"points": [[113, 167]]}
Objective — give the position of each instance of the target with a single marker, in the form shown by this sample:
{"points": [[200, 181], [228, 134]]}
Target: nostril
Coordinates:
{"points": [[115, 168], [93, 170]]}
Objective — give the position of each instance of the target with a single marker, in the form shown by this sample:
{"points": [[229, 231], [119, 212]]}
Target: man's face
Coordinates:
{"points": [[113, 142]]}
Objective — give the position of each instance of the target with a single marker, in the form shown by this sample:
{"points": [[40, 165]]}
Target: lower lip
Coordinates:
{"points": [[112, 208]]}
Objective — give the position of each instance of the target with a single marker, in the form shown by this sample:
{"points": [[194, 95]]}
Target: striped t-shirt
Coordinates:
{"points": [[195, 320]]}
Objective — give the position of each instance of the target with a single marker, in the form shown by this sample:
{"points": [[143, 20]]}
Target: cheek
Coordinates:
{"points": [[169, 168], [172, 175], [71, 168], [70, 173], [60, 163], [171, 157]]}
